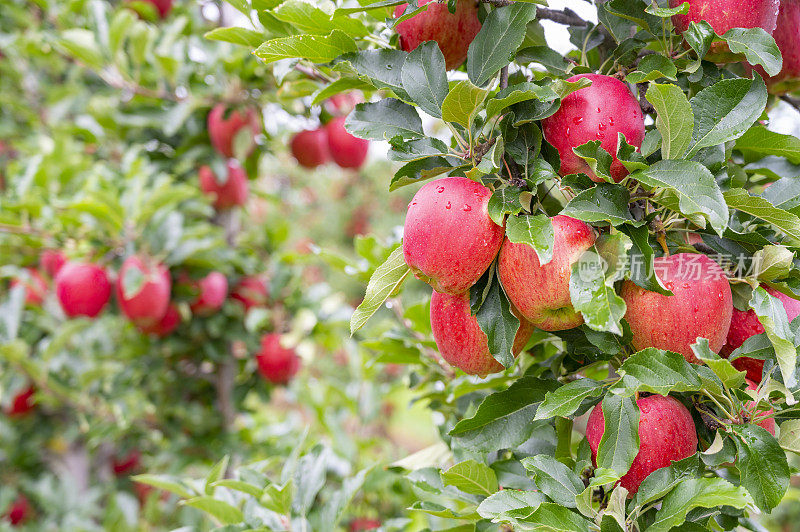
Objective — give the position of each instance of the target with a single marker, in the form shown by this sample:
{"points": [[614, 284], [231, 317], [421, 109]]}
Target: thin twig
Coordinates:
{"points": [[504, 77], [646, 106], [561, 16]]}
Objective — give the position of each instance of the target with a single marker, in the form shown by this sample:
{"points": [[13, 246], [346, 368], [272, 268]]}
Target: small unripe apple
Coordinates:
{"points": [[745, 324], [541, 291], [146, 300], [82, 288], [251, 291], [361, 524], [787, 37], [276, 363], [449, 239], [51, 260], [768, 423], [460, 339], [310, 147], [346, 150], [666, 434], [232, 193], [165, 326], [701, 306], [223, 131], [597, 112], [453, 32], [213, 291], [35, 287], [19, 511], [124, 465], [22, 403]]}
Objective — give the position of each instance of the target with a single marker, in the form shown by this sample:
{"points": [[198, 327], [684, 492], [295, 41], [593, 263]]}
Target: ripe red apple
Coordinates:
{"points": [[787, 37], [453, 32], [361, 524], [310, 147], [51, 260], [213, 291], [124, 465], [701, 306], [460, 339], [82, 288], [343, 103], [449, 239], [232, 193], [346, 150], [165, 326], [35, 287], [597, 112], [147, 305], [252, 291], [541, 292], [768, 423], [223, 131], [19, 511], [745, 324], [666, 434], [723, 15], [276, 363], [23, 403]]}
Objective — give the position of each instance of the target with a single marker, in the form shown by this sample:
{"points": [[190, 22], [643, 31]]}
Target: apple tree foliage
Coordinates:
{"points": [[512, 455]]}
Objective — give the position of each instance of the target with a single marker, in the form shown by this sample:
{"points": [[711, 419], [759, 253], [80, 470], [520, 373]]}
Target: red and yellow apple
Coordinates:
{"points": [[251, 291], [34, 285]]}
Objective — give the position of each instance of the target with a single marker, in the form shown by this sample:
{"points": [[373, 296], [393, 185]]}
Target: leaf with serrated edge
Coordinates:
{"points": [[674, 118], [386, 279]]}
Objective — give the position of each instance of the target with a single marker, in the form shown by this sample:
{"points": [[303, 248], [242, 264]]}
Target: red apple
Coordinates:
{"points": [[35, 287], [361, 524], [346, 150], [597, 112], [276, 363], [125, 465], [310, 147], [146, 301], [252, 291], [666, 434], [232, 193], [453, 32], [744, 325], [82, 288], [213, 291], [460, 339], [343, 103], [541, 292], [22, 404], [787, 37], [51, 260], [19, 511], [223, 131], [701, 306], [449, 239], [768, 423], [167, 324], [723, 15]]}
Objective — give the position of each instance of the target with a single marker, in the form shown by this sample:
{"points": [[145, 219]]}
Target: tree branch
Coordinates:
{"points": [[561, 16], [504, 77]]}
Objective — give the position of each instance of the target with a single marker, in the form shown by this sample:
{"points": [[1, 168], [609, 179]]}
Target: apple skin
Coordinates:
{"points": [[310, 147], [460, 339], [744, 325], [251, 291], [231, 193], [449, 239], [276, 363], [35, 287], [767, 423], [213, 292], [787, 38], [166, 325], [453, 32], [541, 292], [83, 289], [126, 464], [361, 524], [346, 150], [222, 131], [149, 305], [51, 260], [343, 103], [666, 433], [22, 404], [598, 112], [701, 306], [19, 511]]}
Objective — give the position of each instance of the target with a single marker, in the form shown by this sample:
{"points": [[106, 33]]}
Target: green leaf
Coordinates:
{"points": [[219, 510], [238, 485], [620, 442], [651, 68], [760, 141], [338, 86], [315, 48], [602, 203], [675, 118], [498, 40], [382, 68], [554, 479], [790, 435], [661, 481], [598, 159], [384, 120], [738, 198], [506, 505], [772, 316], [313, 20], [498, 323], [726, 110], [565, 400], [762, 465], [518, 93], [424, 78], [758, 47], [722, 367], [658, 371], [550, 517], [81, 44], [384, 282], [471, 477], [165, 482], [215, 474], [236, 35], [462, 103], [697, 493], [504, 201], [689, 188], [535, 230], [772, 262]]}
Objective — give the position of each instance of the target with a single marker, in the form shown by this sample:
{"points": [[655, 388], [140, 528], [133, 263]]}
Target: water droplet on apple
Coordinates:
{"points": [[577, 120], [440, 189], [610, 120], [601, 126], [598, 109], [467, 208], [448, 205]]}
